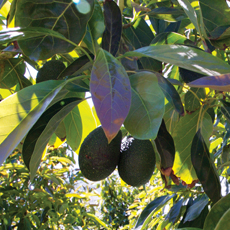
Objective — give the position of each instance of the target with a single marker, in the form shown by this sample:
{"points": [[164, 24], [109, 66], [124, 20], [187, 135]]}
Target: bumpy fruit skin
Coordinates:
{"points": [[137, 162], [97, 158], [50, 71]]}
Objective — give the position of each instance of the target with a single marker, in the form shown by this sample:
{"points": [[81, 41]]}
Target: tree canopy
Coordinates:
{"points": [[158, 70]]}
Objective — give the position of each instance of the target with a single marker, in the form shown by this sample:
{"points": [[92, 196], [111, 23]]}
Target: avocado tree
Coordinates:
{"points": [[157, 70]]}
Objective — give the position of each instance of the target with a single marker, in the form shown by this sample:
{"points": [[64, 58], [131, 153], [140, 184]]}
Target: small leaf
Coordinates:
{"points": [[204, 168], [185, 57], [147, 107], [111, 92], [217, 211], [220, 82], [113, 22], [172, 216], [165, 147], [96, 219]]}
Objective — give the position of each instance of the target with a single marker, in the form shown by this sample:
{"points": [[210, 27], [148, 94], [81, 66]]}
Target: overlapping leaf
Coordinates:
{"points": [[174, 212], [113, 22], [185, 57], [147, 107], [111, 92], [183, 135], [204, 168], [226, 109], [62, 16], [168, 38], [219, 82], [39, 135]]}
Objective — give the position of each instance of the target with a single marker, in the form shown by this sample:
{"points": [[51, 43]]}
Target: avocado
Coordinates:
{"points": [[50, 71], [137, 161], [97, 158]]}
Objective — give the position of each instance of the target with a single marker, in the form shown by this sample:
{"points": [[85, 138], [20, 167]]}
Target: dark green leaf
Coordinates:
{"points": [[188, 75], [185, 57], [224, 221], [172, 216], [226, 109], [170, 93], [113, 22], [165, 147], [39, 135], [220, 82], [204, 168], [217, 211], [63, 16], [111, 92], [147, 106], [168, 38], [196, 208]]}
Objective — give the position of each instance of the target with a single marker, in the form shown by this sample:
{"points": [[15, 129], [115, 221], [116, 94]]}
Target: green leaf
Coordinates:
{"points": [[95, 28], [205, 168], [183, 135], [224, 221], [63, 16], [192, 99], [39, 135], [113, 22], [168, 38], [22, 110], [147, 107], [185, 57], [220, 82], [225, 109], [111, 92], [96, 219], [172, 216], [150, 209], [218, 210], [78, 124]]}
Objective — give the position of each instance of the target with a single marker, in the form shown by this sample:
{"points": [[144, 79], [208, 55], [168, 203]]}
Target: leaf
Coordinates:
{"points": [[219, 82], [196, 208], [39, 135], [165, 147], [225, 109], [96, 219], [170, 93], [185, 57], [193, 98], [147, 107], [167, 14], [224, 221], [188, 75], [21, 111], [111, 92], [174, 212], [215, 15], [183, 135], [150, 209], [204, 168], [63, 16], [113, 22], [78, 124], [216, 212], [95, 28]]}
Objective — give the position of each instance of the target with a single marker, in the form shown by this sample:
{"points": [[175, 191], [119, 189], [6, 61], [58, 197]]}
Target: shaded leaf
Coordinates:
{"points": [[39, 135], [78, 124], [224, 221], [216, 212], [196, 208], [111, 92], [147, 106], [168, 38], [172, 216], [63, 16], [95, 28], [61, 131], [185, 57], [113, 22], [188, 75], [204, 168], [170, 93], [165, 147], [193, 97], [183, 135], [220, 82], [149, 210], [226, 109]]}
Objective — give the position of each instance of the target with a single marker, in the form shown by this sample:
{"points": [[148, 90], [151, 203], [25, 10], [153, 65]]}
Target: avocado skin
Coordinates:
{"points": [[97, 158], [50, 71], [137, 162]]}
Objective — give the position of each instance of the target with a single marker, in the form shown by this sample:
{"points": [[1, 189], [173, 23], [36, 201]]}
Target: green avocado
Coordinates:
{"points": [[137, 161], [50, 71], [97, 158]]}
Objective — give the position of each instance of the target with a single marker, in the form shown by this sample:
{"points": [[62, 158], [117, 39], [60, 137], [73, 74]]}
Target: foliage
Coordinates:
{"points": [[158, 70]]}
